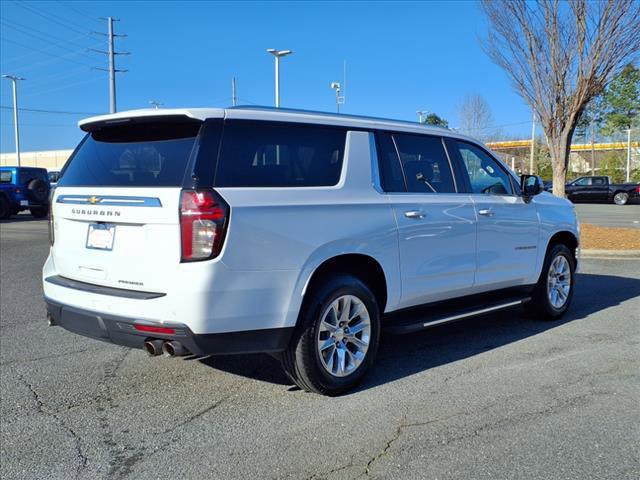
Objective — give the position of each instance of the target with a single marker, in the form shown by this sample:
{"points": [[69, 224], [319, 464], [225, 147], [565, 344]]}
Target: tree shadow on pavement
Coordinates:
{"points": [[404, 355]]}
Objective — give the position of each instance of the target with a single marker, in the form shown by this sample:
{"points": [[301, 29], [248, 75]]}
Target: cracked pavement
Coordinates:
{"points": [[501, 396]]}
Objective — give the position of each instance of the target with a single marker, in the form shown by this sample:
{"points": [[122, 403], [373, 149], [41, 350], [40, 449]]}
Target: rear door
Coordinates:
{"points": [[116, 206], [436, 225], [507, 239]]}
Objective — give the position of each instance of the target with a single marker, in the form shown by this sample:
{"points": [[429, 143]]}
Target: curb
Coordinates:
{"points": [[601, 253]]}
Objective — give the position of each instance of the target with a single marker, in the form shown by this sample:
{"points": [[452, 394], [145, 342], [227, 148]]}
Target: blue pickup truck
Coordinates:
{"points": [[24, 188]]}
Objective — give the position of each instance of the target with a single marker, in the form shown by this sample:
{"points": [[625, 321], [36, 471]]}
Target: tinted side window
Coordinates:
{"points": [[425, 164], [392, 178], [583, 182], [261, 154], [6, 177], [485, 174], [599, 181]]}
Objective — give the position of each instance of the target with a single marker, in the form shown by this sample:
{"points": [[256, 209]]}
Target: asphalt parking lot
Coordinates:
{"points": [[501, 397], [603, 215]]}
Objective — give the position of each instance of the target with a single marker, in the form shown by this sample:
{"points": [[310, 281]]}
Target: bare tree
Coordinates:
{"points": [[474, 117], [559, 56]]}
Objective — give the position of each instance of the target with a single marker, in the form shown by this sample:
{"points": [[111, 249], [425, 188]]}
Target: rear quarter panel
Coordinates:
{"points": [[295, 230]]}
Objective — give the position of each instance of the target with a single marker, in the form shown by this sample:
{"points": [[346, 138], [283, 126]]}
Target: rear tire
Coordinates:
{"points": [[552, 294], [38, 212], [5, 208], [621, 198], [336, 339]]}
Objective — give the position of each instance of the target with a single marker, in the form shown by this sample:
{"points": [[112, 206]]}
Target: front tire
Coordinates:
{"points": [[552, 294], [621, 198], [336, 339]]}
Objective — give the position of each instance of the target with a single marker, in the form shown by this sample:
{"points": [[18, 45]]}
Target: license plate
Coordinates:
{"points": [[100, 236], [24, 203]]}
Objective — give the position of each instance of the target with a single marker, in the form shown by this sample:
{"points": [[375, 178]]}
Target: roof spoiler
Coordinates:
{"points": [[135, 117]]}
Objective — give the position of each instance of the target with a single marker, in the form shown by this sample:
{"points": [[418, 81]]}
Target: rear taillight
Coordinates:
{"points": [[638, 188], [52, 235], [203, 224]]}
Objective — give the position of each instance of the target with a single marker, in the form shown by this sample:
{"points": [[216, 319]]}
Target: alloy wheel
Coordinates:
{"points": [[343, 336]]}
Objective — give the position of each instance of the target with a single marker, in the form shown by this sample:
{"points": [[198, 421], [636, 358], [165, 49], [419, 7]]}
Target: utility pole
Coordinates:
{"points": [[533, 141], [111, 54], [16, 128], [628, 155], [278, 54], [234, 99]]}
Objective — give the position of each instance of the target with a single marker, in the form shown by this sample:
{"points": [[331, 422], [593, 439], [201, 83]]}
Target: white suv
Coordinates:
{"points": [[216, 231]]}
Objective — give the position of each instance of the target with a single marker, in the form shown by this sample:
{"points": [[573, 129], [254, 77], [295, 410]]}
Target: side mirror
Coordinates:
{"points": [[530, 185]]}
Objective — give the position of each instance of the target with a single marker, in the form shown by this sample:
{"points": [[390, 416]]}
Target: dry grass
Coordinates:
{"points": [[607, 238]]}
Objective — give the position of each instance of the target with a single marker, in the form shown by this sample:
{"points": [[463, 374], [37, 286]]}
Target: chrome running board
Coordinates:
{"points": [[439, 315]]}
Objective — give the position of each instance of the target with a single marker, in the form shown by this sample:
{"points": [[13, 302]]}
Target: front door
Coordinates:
{"points": [[507, 239]]}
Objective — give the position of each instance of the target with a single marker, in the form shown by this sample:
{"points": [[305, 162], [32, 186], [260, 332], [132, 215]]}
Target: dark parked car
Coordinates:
{"points": [[24, 188], [601, 189]]}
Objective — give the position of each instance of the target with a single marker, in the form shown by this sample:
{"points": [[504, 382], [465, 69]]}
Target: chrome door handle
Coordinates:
{"points": [[416, 214], [486, 212]]}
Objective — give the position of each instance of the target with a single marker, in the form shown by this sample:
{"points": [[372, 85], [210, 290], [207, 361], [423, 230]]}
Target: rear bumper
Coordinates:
{"points": [[121, 331]]}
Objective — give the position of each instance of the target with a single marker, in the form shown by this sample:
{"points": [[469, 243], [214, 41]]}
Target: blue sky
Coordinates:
{"points": [[401, 57]]}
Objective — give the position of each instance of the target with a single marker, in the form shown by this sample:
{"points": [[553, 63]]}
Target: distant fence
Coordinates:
{"points": [[49, 159]]}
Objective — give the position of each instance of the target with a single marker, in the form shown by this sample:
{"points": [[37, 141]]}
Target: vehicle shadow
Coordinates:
{"points": [[404, 355], [22, 218]]}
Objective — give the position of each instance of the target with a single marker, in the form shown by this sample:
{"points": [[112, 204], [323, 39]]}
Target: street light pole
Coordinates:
{"points": [[16, 128], [421, 113], [278, 54]]}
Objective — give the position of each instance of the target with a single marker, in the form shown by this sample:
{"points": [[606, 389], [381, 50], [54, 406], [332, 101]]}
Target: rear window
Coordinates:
{"points": [[261, 154], [5, 177], [133, 155], [26, 175]]}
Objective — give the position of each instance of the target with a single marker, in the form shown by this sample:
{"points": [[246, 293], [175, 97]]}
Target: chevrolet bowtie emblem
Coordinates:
{"points": [[94, 200]]}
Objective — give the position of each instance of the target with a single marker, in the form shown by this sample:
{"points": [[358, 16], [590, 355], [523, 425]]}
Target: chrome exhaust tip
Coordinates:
{"points": [[173, 349], [50, 320], [153, 347]]}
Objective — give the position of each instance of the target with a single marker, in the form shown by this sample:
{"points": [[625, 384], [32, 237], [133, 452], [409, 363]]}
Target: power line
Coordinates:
{"points": [[21, 57], [51, 17], [38, 110], [42, 80], [35, 33], [63, 87], [78, 11], [49, 54]]}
